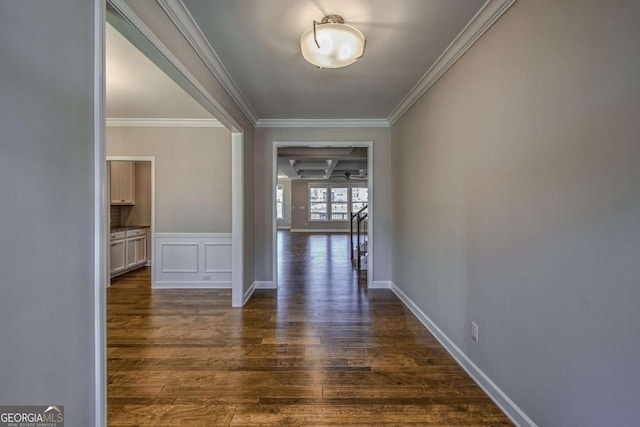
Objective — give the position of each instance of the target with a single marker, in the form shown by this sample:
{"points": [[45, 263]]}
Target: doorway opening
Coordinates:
{"points": [[131, 215], [322, 211], [120, 16]]}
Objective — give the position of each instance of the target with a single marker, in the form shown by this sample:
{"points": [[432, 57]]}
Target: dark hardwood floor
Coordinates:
{"points": [[321, 351]]}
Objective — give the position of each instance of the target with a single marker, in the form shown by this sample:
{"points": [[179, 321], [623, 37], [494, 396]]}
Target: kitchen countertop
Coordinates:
{"points": [[126, 227]]}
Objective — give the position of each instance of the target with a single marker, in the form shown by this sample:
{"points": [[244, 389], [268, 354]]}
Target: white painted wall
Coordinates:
{"points": [[263, 192], [516, 205], [47, 217]]}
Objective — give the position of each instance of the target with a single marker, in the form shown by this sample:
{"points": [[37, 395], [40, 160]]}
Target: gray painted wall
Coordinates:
{"points": [[515, 184], [46, 188], [193, 174], [263, 193]]}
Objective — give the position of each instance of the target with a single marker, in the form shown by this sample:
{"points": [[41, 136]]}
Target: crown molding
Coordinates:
{"points": [[477, 26], [218, 110], [322, 123], [186, 24], [173, 123]]}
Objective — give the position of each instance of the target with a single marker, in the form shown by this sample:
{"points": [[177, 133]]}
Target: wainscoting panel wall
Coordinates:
{"points": [[192, 260]]}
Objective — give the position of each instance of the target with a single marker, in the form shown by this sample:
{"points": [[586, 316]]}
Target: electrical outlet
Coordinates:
{"points": [[474, 331], [206, 277]]}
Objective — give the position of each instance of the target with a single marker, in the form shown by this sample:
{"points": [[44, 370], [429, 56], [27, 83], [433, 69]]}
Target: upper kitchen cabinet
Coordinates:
{"points": [[122, 182]]}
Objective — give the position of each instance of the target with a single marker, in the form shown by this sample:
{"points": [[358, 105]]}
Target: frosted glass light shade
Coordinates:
{"points": [[340, 45]]}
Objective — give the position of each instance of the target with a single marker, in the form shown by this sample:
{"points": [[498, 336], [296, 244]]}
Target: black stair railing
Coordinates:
{"points": [[360, 218]]}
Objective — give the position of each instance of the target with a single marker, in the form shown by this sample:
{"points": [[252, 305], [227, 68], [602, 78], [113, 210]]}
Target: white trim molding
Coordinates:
{"points": [[477, 26], [212, 105], [184, 21], [100, 219], [499, 397], [169, 123], [381, 284], [247, 295], [275, 145], [322, 123], [265, 285], [209, 284], [192, 260]]}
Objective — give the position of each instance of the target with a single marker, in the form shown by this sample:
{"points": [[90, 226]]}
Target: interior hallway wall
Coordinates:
{"points": [[47, 216], [517, 206]]}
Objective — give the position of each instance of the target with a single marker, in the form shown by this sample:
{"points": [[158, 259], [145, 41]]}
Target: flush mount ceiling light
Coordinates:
{"points": [[331, 43]]}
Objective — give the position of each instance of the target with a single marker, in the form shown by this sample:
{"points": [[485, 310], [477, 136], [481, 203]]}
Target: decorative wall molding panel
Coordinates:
{"points": [[192, 260]]}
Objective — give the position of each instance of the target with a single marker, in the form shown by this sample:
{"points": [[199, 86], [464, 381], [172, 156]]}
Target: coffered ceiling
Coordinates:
{"points": [[322, 163]]}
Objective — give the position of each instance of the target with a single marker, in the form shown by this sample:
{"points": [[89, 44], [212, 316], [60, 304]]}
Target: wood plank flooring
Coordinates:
{"points": [[322, 351]]}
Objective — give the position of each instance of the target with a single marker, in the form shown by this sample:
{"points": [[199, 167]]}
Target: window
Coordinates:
{"points": [[318, 203], [280, 201], [359, 198], [331, 202], [339, 203]]}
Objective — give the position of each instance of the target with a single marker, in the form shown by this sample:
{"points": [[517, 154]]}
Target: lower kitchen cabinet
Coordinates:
{"points": [[141, 250], [117, 257], [128, 250]]}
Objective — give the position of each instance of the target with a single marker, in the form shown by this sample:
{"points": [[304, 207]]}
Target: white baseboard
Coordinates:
{"points": [[265, 285], [381, 284], [248, 293], [503, 401], [147, 264], [191, 285]]}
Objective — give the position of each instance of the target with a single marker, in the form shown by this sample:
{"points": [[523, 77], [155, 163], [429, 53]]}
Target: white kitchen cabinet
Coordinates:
{"points": [[128, 250], [131, 252], [141, 250], [122, 182], [117, 256], [136, 251]]}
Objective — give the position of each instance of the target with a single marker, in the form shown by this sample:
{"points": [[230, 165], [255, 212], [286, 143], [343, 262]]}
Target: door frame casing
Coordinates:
{"points": [[152, 228], [275, 145]]}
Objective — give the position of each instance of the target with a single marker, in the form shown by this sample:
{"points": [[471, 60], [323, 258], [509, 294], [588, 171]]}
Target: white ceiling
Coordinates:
{"points": [[258, 44], [137, 88]]}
